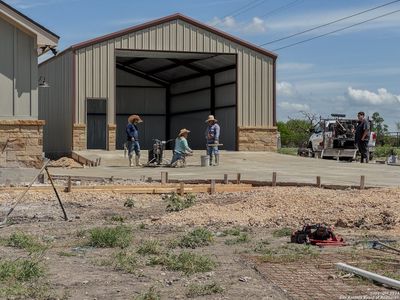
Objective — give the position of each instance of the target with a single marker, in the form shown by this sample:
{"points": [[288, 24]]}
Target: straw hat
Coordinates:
{"points": [[134, 118], [183, 131], [211, 118]]}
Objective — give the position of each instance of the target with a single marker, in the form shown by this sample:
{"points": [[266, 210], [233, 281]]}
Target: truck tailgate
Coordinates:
{"points": [[338, 153]]}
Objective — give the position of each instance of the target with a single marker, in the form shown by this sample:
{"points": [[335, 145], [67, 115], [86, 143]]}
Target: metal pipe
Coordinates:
{"points": [[372, 276]]}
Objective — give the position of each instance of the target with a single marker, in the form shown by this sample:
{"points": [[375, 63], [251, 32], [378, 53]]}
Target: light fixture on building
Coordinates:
{"points": [[43, 83]]}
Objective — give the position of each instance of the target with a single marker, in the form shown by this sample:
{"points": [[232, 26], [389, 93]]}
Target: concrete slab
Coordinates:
{"points": [[251, 165]]}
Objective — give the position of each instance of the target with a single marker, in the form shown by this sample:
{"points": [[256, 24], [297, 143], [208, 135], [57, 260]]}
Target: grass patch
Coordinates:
{"points": [[240, 239], [20, 270], [231, 231], [198, 290], [288, 151], [142, 226], [151, 294], [66, 254], [186, 262], [110, 237], [196, 238], [23, 290], [261, 246], [129, 203], [289, 253], [21, 240], [282, 232], [382, 268], [178, 203], [117, 218], [152, 247], [123, 261]]}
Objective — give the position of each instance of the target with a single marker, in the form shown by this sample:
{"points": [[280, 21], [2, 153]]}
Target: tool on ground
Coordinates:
{"points": [[19, 199], [156, 154], [379, 243], [319, 235]]}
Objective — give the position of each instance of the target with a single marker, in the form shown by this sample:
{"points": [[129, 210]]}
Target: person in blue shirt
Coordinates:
{"points": [[181, 148], [132, 137], [212, 137]]}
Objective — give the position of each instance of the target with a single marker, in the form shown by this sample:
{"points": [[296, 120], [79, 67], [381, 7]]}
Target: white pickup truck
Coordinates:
{"points": [[334, 138]]}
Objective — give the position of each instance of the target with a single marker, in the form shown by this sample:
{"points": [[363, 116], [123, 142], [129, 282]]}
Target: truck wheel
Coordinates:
{"points": [[371, 156]]}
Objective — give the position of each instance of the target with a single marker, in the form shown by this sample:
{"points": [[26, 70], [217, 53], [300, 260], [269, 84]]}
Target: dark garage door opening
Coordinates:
{"points": [[174, 90]]}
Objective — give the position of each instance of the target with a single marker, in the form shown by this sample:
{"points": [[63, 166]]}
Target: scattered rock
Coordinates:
{"points": [[244, 279], [341, 223]]}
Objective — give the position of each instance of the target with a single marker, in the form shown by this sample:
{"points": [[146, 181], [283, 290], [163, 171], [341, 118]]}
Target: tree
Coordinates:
{"points": [[398, 126], [379, 127]]}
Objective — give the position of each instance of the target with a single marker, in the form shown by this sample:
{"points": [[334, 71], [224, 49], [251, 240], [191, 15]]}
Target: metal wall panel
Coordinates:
{"points": [[18, 74], [192, 101], [55, 104]]}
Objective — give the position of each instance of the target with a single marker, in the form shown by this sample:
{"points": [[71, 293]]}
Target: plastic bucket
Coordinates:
{"points": [[205, 160]]}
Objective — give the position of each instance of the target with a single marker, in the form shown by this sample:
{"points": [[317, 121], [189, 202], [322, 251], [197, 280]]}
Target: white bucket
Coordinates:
{"points": [[205, 160]]}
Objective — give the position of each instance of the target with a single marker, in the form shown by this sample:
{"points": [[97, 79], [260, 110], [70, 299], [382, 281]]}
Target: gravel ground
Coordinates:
{"points": [[282, 206]]}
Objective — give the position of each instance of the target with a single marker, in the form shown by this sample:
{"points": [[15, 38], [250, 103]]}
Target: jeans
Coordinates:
{"points": [[212, 150], [363, 149], [133, 146], [177, 156]]}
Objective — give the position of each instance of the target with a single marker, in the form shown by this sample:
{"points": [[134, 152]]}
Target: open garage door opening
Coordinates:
{"points": [[174, 90]]}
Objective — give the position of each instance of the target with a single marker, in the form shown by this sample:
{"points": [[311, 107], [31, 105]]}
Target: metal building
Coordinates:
{"points": [[173, 72]]}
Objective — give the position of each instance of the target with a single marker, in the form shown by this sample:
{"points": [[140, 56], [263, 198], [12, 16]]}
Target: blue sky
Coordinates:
{"points": [[353, 70]]}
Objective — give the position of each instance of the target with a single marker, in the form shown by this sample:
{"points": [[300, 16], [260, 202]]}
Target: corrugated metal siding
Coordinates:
{"points": [[55, 104], [255, 83], [18, 74]]}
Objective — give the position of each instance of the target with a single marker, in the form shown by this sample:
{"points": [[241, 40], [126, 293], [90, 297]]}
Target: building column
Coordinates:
{"points": [[79, 139], [258, 139], [111, 137]]}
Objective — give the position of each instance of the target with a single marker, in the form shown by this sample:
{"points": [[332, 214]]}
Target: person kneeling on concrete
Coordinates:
{"points": [[132, 135], [212, 137], [181, 149]]}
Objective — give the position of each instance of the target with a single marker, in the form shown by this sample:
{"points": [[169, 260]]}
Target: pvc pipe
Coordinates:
{"points": [[372, 276]]}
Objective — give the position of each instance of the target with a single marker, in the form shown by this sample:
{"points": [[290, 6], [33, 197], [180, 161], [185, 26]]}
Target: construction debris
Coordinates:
{"points": [[318, 235], [65, 162]]}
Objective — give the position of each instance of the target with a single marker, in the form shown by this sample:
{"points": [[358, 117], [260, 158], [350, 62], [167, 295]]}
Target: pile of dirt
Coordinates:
{"points": [[292, 207], [65, 162]]}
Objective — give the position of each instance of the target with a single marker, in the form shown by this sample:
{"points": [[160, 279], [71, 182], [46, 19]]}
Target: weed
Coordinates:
{"points": [[282, 232], [198, 290], [152, 247], [124, 261], [117, 218], [151, 294], [186, 262], [178, 203], [66, 254], [110, 237], [81, 233], [241, 239], [24, 290], [261, 246], [142, 226], [23, 241], [197, 238], [129, 203], [231, 231], [20, 270], [289, 253]]}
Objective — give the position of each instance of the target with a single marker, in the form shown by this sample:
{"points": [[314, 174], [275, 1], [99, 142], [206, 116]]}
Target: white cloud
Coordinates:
{"points": [[285, 88], [367, 97], [255, 26], [288, 106], [295, 67]]}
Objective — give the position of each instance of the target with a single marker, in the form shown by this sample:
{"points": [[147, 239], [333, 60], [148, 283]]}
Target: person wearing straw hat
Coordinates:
{"points": [[132, 135], [181, 148], [212, 137]]}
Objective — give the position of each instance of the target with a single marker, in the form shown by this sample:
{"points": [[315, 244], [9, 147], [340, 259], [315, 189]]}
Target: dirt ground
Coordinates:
{"points": [[249, 244]]}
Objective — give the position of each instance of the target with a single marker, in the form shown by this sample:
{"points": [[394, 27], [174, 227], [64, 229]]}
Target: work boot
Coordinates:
{"points": [[137, 158], [216, 159], [130, 161]]}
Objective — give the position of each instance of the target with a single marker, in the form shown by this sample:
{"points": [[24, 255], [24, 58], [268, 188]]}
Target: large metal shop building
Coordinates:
{"points": [[173, 72]]}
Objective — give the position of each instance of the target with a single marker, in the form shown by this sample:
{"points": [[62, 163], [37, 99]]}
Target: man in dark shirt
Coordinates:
{"points": [[132, 137], [362, 136]]}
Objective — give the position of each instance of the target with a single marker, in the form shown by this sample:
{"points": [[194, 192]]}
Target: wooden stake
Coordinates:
{"points": [[69, 185], [226, 181], [318, 181], [212, 187], [362, 182], [164, 177], [238, 178], [149, 179], [274, 179], [182, 188], [58, 197]]}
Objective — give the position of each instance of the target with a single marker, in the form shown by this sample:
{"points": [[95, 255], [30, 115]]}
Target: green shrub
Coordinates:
{"points": [[20, 270], [151, 294], [109, 237], [152, 247], [385, 151], [178, 203], [23, 241], [186, 262], [197, 238], [129, 203], [198, 290], [125, 261], [117, 218], [241, 239]]}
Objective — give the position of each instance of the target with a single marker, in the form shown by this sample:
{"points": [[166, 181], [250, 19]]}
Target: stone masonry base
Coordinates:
{"points": [[257, 138], [79, 140], [111, 137], [21, 143]]}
